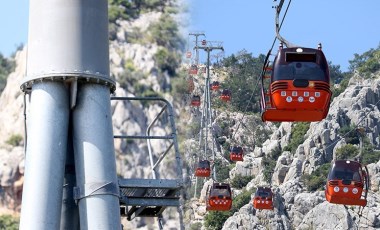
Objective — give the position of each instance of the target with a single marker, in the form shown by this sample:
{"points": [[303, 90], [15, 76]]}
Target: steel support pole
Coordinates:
{"points": [[68, 45], [202, 118], [45, 156], [95, 159]]}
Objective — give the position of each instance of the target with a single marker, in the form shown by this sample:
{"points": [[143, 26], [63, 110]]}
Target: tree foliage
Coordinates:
{"points": [[15, 140], [317, 179], [243, 80], [165, 32], [131, 9], [347, 152], [167, 61], [6, 67], [222, 169], [240, 181], [368, 62], [269, 162], [9, 222], [351, 136], [297, 135]]}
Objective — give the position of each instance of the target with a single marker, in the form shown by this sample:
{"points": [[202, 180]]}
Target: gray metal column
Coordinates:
{"points": [[68, 45], [95, 159], [45, 156]]}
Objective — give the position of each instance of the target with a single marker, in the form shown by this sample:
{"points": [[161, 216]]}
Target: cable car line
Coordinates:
{"points": [[279, 27], [279, 37]]}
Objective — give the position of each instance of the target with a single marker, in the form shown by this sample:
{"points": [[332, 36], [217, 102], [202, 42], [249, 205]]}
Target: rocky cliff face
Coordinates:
{"points": [[295, 206]]}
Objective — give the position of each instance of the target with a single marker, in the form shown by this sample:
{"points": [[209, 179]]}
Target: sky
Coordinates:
{"points": [[343, 27], [13, 25]]}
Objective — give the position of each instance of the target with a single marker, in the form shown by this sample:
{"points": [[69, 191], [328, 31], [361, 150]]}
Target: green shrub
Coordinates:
{"points": [[371, 157], [297, 135], [240, 181], [128, 77], [8, 222], [179, 86], [195, 226], [222, 170], [343, 84], [269, 162], [214, 220], [15, 140], [165, 32], [351, 136], [346, 152], [366, 63], [167, 61], [317, 179], [6, 67], [194, 128], [243, 69]]}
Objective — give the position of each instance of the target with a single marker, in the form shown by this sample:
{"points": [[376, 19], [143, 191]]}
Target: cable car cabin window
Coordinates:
{"points": [[344, 171], [216, 192], [300, 57], [203, 164], [237, 149], [299, 70], [263, 194], [307, 65]]}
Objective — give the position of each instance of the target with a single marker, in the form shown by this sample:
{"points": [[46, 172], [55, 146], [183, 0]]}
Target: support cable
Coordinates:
{"points": [[278, 28]]}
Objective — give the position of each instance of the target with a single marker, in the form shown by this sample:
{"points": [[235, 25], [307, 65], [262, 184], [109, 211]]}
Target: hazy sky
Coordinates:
{"points": [[343, 27], [13, 25]]}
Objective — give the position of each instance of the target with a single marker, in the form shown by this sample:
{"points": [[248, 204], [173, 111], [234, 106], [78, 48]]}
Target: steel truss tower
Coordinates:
{"points": [[206, 120]]}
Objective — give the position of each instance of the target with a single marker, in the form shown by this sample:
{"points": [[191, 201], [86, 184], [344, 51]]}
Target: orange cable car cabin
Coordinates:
{"points": [[236, 153], [203, 169], [193, 69], [347, 184], [215, 85], [188, 54], [299, 87], [226, 95], [196, 101], [219, 197], [263, 198], [204, 42]]}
